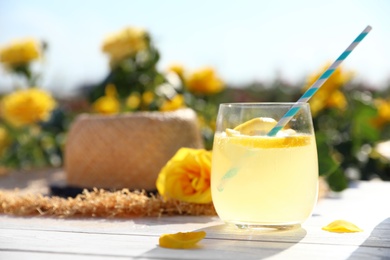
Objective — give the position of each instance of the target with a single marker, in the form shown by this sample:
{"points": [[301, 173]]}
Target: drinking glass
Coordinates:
{"points": [[260, 181]]}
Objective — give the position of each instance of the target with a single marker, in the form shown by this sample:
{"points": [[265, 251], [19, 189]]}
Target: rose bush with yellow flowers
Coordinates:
{"points": [[329, 107], [202, 89], [186, 177], [18, 55], [330, 95], [133, 71], [348, 121], [23, 115], [29, 116], [140, 86]]}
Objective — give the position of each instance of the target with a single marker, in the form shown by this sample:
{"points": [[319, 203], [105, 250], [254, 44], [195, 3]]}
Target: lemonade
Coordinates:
{"points": [[261, 180]]}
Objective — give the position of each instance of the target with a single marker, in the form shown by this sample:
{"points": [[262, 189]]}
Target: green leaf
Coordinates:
{"points": [[337, 180], [326, 162], [362, 128]]}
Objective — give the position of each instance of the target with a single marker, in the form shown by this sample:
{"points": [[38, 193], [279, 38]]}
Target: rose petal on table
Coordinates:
{"points": [[181, 240], [342, 226]]}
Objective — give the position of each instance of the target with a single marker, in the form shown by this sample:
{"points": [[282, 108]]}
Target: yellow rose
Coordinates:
{"points": [[125, 43], [186, 177], [20, 52], [175, 103], [27, 106], [204, 81], [329, 95], [383, 117], [109, 103]]}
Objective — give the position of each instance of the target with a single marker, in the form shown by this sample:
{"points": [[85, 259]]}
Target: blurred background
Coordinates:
{"points": [[245, 40], [110, 57]]}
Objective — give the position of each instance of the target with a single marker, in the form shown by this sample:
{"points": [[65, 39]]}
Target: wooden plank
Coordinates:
{"points": [[76, 243], [28, 255], [375, 234], [51, 238], [145, 247], [379, 236]]}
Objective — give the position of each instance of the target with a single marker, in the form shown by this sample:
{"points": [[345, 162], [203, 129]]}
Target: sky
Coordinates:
{"points": [[245, 41]]}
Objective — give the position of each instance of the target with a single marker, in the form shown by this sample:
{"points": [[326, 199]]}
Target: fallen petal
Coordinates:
{"points": [[181, 240], [342, 226]]}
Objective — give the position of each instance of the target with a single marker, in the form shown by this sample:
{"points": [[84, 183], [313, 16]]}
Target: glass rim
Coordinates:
{"points": [[248, 104]]}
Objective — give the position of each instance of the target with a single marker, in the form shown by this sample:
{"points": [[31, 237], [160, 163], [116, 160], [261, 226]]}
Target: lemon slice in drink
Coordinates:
{"points": [[255, 126], [270, 142], [253, 133]]}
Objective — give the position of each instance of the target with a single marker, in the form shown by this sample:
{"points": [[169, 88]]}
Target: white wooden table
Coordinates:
{"points": [[367, 206]]}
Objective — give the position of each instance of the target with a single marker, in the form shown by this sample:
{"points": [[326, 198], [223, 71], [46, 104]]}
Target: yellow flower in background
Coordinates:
{"points": [[20, 52], [133, 101], [329, 95], [337, 100], [383, 117], [27, 106], [125, 43], [4, 142], [186, 177], [175, 103], [177, 68], [109, 103], [147, 97], [204, 81]]}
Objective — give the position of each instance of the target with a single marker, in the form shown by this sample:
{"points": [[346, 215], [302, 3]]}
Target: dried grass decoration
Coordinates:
{"points": [[99, 203]]}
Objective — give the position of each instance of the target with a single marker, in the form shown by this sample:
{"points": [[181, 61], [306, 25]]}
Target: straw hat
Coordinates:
{"points": [[126, 150]]}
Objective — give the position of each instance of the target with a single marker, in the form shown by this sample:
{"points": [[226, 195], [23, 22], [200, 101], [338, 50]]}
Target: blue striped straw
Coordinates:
{"points": [[316, 85]]}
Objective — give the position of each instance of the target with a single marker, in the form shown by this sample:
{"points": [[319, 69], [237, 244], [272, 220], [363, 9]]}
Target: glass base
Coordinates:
{"points": [[268, 227]]}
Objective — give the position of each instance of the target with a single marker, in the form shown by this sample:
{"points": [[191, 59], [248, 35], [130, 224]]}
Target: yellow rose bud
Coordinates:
{"points": [[147, 97], [110, 90], [109, 103], [186, 177], [175, 103], [177, 68], [133, 101]]}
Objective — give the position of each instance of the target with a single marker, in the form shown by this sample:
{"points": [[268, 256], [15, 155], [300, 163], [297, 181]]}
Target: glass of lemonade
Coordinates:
{"points": [[259, 181]]}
